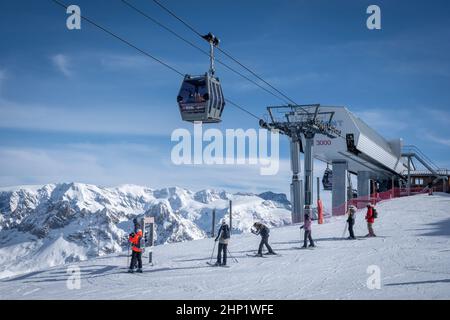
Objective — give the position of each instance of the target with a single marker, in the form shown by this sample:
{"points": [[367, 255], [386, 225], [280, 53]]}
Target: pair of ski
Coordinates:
{"points": [[356, 238], [134, 271], [307, 248], [265, 255], [217, 265]]}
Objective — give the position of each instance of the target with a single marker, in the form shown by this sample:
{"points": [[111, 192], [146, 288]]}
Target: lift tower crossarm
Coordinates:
{"points": [[296, 121]]}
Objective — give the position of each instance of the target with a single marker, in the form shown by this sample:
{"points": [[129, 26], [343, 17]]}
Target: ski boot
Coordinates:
{"points": [[271, 253], [139, 270], [130, 271]]}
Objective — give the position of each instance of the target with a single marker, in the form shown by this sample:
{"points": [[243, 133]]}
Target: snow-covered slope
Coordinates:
{"points": [[54, 224], [411, 251]]}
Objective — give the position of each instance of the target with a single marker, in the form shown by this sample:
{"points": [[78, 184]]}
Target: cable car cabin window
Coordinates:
{"points": [[219, 97], [193, 96], [221, 100], [212, 97], [216, 96], [327, 179]]}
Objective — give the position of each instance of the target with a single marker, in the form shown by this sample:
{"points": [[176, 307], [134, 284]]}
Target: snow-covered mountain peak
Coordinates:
{"points": [[95, 220], [209, 195]]}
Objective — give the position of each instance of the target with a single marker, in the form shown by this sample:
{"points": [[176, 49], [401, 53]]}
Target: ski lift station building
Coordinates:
{"points": [[359, 150]]}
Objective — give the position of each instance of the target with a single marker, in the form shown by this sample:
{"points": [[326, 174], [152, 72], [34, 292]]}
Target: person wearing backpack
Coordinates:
{"points": [[263, 231], [351, 221], [370, 217], [136, 255], [223, 236]]}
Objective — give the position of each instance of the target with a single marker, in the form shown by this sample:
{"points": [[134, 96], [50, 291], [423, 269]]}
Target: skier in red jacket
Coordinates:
{"points": [[370, 220], [136, 256]]}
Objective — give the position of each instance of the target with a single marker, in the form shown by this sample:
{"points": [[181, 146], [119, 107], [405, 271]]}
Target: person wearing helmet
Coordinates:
{"points": [[136, 255], [136, 225], [370, 220], [223, 236], [263, 231]]}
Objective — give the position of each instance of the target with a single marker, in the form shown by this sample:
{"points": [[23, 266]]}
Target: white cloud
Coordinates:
{"points": [[117, 61], [62, 63], [139, 62], [412, 122], [442, 141], [441, 116], [417, 68], [95, 119], [115, 164], [2, 79], [385, 122], [295, 80]]}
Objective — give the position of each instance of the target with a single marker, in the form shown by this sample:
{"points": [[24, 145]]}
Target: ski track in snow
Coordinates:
{"points": [[411, 251]]}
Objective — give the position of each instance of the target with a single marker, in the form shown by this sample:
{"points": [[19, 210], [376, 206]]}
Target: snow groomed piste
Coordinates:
{"points": [[411, 251]]}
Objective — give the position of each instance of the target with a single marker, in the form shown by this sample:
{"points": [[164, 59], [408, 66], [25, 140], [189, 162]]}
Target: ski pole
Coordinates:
{"points": [[212, 253], [232, 257], [345, 229], [128, 254]]}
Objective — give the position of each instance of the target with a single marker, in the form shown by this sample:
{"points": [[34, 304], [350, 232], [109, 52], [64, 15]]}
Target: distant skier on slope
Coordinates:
{"points": [[136, 255], [307, 228], [370, 217], [351, 221], [263, 231], [223, 236]]}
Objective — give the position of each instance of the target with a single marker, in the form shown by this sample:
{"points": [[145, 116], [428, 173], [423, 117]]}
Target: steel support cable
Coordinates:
{"points": [[200, 49], [145, 52], [121, 39], [226, 53]]}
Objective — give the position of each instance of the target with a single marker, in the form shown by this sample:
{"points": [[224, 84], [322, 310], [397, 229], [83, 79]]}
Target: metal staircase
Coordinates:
{"points": [[410, 152]]}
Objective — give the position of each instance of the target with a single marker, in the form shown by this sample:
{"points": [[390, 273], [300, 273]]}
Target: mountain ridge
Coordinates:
{"points": [[74, 221]]}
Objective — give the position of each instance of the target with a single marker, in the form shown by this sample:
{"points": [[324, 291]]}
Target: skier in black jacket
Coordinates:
{"points": [[351, 221], [263, 231], [223, 236]]}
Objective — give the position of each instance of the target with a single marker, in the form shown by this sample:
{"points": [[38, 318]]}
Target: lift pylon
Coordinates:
{"points": [[297, 121]]}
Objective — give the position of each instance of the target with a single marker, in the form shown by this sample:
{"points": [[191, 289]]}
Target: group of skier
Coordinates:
{"points": [[223, 237], [371, 214]]}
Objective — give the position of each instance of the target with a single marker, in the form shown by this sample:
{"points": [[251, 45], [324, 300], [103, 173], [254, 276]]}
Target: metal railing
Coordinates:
{"points": [[415, 150], [442, 172]]}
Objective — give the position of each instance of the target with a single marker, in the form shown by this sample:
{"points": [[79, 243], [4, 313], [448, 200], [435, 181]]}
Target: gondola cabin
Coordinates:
{"points": [[201, 99], [327, 179]]}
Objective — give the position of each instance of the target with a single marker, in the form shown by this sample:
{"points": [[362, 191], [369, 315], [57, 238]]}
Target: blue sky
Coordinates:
{"points": [[81, 106]]}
